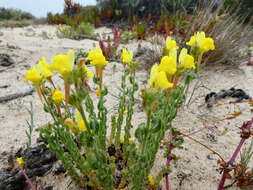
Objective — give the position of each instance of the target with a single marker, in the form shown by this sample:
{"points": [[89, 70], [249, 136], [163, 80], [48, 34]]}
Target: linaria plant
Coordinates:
{"points": [[110, 153]]}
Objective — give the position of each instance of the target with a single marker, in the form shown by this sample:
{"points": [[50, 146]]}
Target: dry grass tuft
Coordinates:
{"points": [[231, 35], [148, 55]]}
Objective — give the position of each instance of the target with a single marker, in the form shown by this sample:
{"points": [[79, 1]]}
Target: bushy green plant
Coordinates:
{"points": [[140, 30], [86, 28], [127, 36], [100, 153]]}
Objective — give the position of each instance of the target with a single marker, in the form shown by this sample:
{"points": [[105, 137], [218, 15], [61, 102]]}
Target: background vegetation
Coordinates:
{"points": [[14, 14]]}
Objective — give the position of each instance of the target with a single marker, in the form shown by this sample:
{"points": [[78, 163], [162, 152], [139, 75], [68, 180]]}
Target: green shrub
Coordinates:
{"points": [[13, 14], [86, 28]]}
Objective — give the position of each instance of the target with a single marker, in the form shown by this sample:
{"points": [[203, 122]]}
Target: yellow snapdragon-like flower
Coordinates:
{"points": [[200, 41], [33, 75], [38, 72], [192, 42], [158, 79], [173, 54], [88, 72], [161, 81], [153, 73], [207, 44], [63, 63], [97, 58], [57, 96], [186, 61], [200, 36], [80, 122], [44, 68], [126, 56], [20, 161], [168, 64], [151, 180], [171, 44]]}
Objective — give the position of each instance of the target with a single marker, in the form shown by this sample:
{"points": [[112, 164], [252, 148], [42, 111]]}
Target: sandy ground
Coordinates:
{"points": [[197, 167]]}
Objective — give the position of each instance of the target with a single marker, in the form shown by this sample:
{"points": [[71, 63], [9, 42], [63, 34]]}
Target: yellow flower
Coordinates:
{"points": [[158, 79], [20, 161], [44, 68], [196, 39], [98, 92], [126, 56], [186, 60], [153, 73], [161, 81], [63, 63], [97, 58], [192, 42], [88, 72], [168, 65], [200, 41], [70, 123], [151, 180], [57, 96], [80, 122], [122, 139], [207, 44], [173, 54], [200, 36], [33, 75], [171, 44]]}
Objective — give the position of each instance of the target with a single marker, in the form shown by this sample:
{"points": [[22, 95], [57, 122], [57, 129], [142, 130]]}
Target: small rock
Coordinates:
{"points": [[6, 60]]}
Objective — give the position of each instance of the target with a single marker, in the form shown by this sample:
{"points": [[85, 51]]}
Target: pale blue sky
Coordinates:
{"points": [[40, 8]]}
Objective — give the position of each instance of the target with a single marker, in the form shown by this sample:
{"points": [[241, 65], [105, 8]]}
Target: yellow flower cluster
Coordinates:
{"points": [[161, 75], [200, 41], [57, 96], [62, 63], [171, 66], [39, 72]]}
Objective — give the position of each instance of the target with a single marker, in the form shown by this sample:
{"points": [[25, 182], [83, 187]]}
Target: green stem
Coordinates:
{"points": [[80, 109], [147, 126], [121, 111]]}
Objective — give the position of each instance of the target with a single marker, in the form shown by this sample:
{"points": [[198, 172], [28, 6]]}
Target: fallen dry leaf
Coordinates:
{"points": [[234, 115]]}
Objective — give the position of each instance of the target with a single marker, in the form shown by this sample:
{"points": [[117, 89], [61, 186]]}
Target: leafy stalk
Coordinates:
{"points": [[31, 126]]}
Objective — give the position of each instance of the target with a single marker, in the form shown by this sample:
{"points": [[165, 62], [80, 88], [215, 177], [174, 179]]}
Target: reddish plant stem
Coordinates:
{"points": [[28, 180], [250, 62], [247, 125]]}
